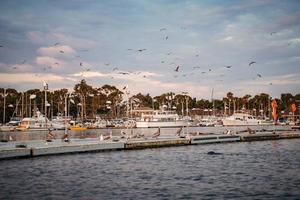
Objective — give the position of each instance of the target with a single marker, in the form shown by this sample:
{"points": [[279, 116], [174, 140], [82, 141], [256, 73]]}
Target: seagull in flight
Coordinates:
{"points": [[177, 68], [167, 37], [251, 63], [140, 50], [228, 66], [81, 64], [259, 75], [57, 43], [61, 51], [162, 29]]}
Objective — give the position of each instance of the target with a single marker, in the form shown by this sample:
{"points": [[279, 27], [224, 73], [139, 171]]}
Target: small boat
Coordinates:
{"points": [[160, 118], [36, 123], [241, 119], [78, 127]]}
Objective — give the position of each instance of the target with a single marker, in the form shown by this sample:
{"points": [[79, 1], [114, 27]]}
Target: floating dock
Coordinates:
{"points": [[25, 149]]}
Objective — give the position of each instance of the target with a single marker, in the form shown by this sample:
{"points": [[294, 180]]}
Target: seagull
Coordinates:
{"points": [[157, 133], [162, 29], [1, 45], [251, 63], [23, 62], [250, 131], [203, 72], [197, 55], [196, 67], [140, 50], [169, 53], [270, 83], [259, 75], [209, 70], [167, 37], [56, 63], [114, 69], [123, 73], [272, 33], [57, 43], [177, 68], [162, 61], [228, 66], [61, 51], [15, 67], [81, 64], [107, 64]]}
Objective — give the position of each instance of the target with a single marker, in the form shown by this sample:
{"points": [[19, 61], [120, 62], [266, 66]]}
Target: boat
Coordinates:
{"points": [[160, 118], [36, 123], [11, 125], [78, 127], [241, 119]]}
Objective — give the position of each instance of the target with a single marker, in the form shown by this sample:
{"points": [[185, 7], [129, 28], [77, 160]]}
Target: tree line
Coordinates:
{"points": [[107, 101]]}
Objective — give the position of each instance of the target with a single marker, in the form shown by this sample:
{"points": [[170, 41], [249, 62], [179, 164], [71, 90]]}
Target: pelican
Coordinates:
{"points": [[157, 133]]}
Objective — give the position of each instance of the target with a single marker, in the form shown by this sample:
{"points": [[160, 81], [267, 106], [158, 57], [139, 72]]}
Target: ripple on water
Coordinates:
{"points": [[256, 170]]}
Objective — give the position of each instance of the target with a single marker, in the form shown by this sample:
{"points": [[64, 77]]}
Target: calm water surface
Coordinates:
{"points": [[256, 170]]}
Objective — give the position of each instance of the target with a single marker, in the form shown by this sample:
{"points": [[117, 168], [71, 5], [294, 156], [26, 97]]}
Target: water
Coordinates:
{"points": [[255, 170]]}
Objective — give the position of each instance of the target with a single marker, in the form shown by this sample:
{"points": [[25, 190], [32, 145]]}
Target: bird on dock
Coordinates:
{"points": [[65, 138], [178, 132], [108, 137], [123, 134], [157, 133], [250, 131], [227, 132], [251, 63]]}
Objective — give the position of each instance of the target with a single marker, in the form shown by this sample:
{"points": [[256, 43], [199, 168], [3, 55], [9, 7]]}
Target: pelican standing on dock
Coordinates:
{"points": [[157, 133]]}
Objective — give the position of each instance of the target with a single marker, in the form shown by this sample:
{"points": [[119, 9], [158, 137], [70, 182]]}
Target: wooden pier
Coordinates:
{"points": [[25, 149]]}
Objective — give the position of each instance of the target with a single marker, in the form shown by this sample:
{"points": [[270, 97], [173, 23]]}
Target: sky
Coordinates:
{"points": [[142, 43]]}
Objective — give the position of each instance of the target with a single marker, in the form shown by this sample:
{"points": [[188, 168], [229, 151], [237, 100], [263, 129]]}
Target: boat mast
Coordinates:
{"points": [[213, 101], [4, 102]]}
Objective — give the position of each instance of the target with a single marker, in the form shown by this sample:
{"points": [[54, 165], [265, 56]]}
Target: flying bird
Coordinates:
{"points": [[197, 55], [81, 64], [259, 75], [162, 61], [140, 50], [56, 63], [228, 66], [123, 73], [162, 29], [167, 37], [107, 64], [61, 51], [1, 45], [23, 62], [196, 67], [177, 68], [57, 43], [114, 69], [209, 70], [169, 53], [251, 63], [271, 83], [272, 33], [203, 72]]}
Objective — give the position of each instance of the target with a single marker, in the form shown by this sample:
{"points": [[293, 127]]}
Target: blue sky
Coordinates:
{"points": [[62, 42]]}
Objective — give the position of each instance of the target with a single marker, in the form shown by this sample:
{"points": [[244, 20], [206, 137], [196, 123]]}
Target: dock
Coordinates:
{"points": [[35, 148]]}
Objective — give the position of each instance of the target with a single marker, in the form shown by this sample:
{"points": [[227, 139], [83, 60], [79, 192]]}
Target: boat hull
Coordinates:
{"points": [[227, 122], [142, 124]]}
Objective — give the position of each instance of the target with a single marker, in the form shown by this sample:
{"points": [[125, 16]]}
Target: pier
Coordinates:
{"points": [[34, 148]]}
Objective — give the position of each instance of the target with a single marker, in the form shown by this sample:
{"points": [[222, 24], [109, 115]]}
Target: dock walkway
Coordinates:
{"points": [[33, 148]]}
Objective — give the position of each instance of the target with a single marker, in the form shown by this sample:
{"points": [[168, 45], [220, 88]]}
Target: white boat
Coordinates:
{"points": [[241, 119], [36, 123], [159, 118]]}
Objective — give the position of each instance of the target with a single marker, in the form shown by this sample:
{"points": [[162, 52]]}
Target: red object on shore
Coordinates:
{"points": [[274, 112]]}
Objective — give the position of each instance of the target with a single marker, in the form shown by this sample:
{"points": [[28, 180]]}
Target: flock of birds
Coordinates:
{"points": [[116, 70]]}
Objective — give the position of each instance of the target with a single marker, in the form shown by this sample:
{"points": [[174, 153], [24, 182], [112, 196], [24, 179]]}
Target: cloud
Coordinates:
{"points": [[35, 37], [56, 50], [29, 78], [49, 61]]}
